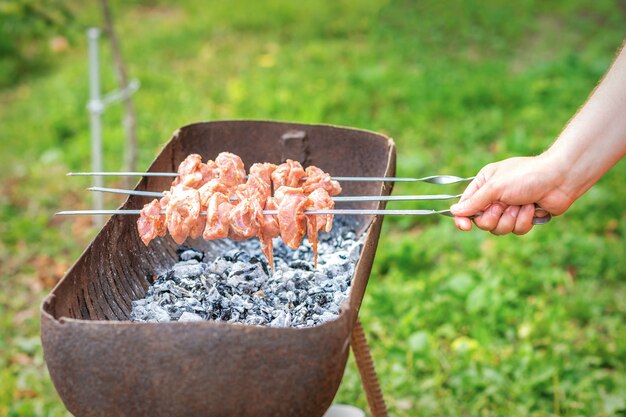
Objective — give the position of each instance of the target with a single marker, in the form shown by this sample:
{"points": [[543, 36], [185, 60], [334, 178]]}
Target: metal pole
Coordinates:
{"points": [[95, 107]]}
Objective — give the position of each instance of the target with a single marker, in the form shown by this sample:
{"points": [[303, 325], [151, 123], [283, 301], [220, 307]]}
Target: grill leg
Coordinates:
{"points": [[368, 374]]}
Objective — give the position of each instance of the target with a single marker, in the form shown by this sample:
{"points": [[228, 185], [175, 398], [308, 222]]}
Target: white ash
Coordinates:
{"points": [[238, 288]]}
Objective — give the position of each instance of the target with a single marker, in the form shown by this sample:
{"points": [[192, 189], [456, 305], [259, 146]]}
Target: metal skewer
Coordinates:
{"points": [[203, 213], [336, 199], [536, 220], [432, 179]]}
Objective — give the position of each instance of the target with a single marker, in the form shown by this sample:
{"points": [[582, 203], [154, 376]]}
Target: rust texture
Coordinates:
{"points": [[104, 365]]}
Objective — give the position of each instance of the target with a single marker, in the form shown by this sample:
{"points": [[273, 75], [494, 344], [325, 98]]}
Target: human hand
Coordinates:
{"points": [[506, 191]]}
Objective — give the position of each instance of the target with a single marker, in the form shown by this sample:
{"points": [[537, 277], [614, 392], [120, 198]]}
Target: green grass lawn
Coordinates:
{"points": [[460, 324]]}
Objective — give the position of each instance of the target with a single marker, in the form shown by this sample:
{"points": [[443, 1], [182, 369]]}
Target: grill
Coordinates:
{"points": [[103, 364]]}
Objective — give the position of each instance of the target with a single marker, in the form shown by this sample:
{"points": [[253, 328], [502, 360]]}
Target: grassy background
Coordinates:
{"points": [[461, 324]]}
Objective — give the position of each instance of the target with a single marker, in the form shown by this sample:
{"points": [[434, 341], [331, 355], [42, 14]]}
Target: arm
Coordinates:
{"points": [[592, 142]]}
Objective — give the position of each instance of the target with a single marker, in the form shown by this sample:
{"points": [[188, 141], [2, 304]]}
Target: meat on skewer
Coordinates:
{"points": [[197, 228], [247, 218], [218, 217], [209, 187], [151, 222], [227, 167], [189, 171], [263, 171], [291, 203], [319, 199], [251, 196], [193, 173], [288, 174], [259, 183], [220, 176], [316, 178], [182, 214], [259, 188], [268, 230], [231, 169], [244, 219]]}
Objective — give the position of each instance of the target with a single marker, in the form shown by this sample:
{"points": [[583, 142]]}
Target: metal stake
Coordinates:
{"points": [[95, 108]]}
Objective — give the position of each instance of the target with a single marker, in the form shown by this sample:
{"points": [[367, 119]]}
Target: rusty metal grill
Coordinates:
{"points": [[102, 364]]}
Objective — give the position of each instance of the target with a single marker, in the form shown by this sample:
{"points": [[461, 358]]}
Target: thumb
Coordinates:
{"points": [[480, 200]]}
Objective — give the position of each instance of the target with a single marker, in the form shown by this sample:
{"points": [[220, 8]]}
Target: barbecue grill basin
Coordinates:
{"points": [[104, 365]]}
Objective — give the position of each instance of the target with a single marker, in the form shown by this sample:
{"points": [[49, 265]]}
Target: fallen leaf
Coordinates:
{"points": [[22, 359], [59, 44]]}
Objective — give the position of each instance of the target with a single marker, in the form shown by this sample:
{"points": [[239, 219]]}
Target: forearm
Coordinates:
{"points": [[595, 139]]}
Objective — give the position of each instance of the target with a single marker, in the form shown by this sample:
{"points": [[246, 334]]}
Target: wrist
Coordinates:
{"points": [[557, 170], [563, 183]]}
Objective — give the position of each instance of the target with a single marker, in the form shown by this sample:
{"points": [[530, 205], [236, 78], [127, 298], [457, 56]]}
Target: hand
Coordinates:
{"points": [[506, 191]]}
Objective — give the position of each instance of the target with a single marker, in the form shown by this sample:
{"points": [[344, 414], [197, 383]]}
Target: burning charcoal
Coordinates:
{"points": [[327, 316], [185, 269], [224, 303], [159, 314], [300, 313], [187, 316], [238, 255], [214, 295], [192, 303], [238, 287], [320, 299], [301, 264], [174, 313], [237, 303], [242, 269], [339, 298], [282, 319], [315, 290], [220, 266], [181, 249], [288, 297], [190, 254], [139, 312], [256, 320]]}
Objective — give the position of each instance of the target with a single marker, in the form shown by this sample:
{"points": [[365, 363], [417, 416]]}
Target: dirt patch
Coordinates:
{"points": [[542, 43], [160, 10]]}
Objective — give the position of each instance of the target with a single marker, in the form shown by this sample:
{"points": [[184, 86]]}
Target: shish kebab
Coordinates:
{"points": [[302, 202]]}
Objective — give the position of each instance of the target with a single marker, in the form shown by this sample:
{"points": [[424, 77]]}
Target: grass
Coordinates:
{"points": [[460, 324]]}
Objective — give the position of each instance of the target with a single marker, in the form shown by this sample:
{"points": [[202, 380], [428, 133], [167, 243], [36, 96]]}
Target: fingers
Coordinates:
{"points": [[473, 186], [501, 220], [524, 222], [478, 201], [463, 223], [507, 222], [489, 219]]}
